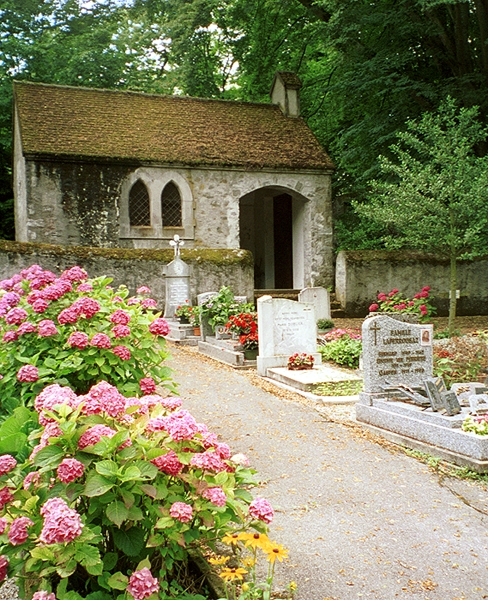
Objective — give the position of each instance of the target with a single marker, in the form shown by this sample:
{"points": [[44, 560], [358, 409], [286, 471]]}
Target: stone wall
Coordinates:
{"points": [[210, 269], [361, 275]]}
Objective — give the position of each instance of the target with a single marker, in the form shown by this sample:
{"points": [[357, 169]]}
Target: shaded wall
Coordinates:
{"points": [[210, 269], [361, 275]]}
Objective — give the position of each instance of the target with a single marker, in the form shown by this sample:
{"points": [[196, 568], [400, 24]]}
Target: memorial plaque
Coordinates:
{"points": [[451, 403], [319, 297], [434, 388], [395, 352], [177, 286]]}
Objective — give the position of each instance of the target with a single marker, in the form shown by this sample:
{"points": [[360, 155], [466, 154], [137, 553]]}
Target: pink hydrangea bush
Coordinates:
{"points": [[395, 301], [76, 331], [116, 493]]}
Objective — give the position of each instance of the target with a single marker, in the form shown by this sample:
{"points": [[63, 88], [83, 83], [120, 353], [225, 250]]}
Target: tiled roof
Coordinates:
{"points": [[106, 124]]}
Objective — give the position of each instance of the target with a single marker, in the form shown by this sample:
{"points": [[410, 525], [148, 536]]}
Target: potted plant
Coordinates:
{"points": [[195, 319], [250, 345], [397, 306], [300, 362], [183, 313], [221, 306], [324, 325]]}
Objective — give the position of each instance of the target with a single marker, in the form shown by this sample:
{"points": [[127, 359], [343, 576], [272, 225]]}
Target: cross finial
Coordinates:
{"points": [[176, 243]]}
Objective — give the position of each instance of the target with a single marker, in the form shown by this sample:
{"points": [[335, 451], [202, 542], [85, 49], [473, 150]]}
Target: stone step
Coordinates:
{"points": [[287, 294]]}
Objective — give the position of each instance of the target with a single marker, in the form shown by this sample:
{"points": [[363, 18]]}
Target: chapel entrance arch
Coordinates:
{"points": [[271, 226]]}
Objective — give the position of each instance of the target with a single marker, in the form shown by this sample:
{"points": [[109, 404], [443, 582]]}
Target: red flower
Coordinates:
{"points": [[374, 307]]}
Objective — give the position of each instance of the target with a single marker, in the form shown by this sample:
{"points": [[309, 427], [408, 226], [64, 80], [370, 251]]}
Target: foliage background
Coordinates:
{"points": [[368, 66]]}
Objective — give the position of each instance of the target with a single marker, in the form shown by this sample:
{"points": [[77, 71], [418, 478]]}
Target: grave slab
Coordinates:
{"points": [[307, 380], [223, 351], [438, 434]]}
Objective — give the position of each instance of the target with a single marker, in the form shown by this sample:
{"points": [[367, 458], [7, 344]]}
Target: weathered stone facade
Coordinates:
{"points": [[232, 195]]}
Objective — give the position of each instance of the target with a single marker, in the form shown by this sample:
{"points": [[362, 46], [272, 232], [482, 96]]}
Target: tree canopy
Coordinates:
{"points": [[367, 66]]}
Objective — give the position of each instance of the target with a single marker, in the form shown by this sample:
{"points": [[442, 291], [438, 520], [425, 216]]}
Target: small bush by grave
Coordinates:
{"points": [[343, 346], [396, 302], [461, 359]]}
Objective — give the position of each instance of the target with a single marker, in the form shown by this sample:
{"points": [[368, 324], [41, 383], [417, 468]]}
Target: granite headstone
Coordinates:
{"points": [[177, 286], [395, 352]]}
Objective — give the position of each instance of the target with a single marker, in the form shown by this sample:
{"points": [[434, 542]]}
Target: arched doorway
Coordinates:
{"points": [[271, 227]]}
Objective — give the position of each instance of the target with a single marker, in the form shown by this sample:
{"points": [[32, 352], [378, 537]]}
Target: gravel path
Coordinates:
{"points": [[361, 518]]}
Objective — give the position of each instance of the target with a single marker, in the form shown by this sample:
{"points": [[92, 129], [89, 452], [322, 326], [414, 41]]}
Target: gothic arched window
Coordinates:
{"points": [[139, 205], [171, 206]]}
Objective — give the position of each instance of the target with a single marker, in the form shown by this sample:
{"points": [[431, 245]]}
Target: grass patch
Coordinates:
{"points": [[339, 388]]}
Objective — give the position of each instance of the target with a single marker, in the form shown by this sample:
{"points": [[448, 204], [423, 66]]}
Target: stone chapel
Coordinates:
{"points": [[107, 168]]}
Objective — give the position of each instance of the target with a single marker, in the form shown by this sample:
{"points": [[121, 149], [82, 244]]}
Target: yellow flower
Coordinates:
{"points": [[257, 540], [249, 561], [232, 538], [245, 587], [276, 551], [228, 574], [293, 586], [220, 560]]}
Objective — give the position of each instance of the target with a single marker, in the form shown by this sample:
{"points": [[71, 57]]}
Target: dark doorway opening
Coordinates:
{"points": [[283, 244]]}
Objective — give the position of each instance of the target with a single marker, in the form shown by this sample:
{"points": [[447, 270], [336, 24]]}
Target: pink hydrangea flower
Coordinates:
{"points": [[3, 567], [26, 327], [181, 425], [142, 584], [40, 305], [3, 525], [61, 523], [68, 315], [104, 397], [171, 403], [241, 460], [149, 303], [47, 328], [11, 299], [42, 595], [147, 385], [262, 510], [10, 336], [132, 301], [122, 352], [223, 451], [216, 495], [374, 307], [78, 339], [181, 511], [84, 287], [16, 316], [31, 478], [70, 469], [120, 317], [143, 290], [101, 340], [28, 374], [87, 307], [93, 434], [74, 274], [159, 327], [168, 463], [17, 534], [7, 463], [5, 497], [55, 394], [208, 461], [121, 331]]}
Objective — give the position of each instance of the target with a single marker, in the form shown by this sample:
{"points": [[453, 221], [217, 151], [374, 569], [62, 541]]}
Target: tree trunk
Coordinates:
{"points": [[452, 294]]}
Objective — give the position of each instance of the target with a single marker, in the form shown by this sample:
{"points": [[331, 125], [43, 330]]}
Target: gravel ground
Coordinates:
{"points": [[361, 518]]}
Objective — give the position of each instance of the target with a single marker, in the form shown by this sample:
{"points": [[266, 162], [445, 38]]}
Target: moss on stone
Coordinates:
{"points": [[216, 256]]}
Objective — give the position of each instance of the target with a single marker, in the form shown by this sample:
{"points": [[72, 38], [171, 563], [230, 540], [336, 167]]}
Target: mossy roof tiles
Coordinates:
{"points": [[91, 123]]}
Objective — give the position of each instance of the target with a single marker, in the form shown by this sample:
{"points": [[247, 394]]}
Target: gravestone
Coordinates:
{"points": [[451, 403], [177, 281], [395, 352], [285, 327], [319, 297]]}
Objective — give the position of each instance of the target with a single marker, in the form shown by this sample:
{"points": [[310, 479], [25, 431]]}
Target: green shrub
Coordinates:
{"points": [[343, 351]]}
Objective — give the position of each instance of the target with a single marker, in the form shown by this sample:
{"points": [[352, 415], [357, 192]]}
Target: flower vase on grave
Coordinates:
{"points": [[251, 353], [196, 331]]}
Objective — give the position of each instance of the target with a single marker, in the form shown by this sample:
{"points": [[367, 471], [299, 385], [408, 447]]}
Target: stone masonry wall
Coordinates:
{"points": [[361, 275], [210, 269]]}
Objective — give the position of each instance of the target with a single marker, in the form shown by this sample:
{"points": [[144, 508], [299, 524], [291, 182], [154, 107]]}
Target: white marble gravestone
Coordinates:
{"points": [[285, 327], [395, 352], [177, 286], [319, 297]]}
